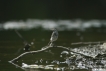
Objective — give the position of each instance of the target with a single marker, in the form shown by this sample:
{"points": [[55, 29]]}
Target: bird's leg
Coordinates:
{"points": [[49, 43], [53, 44]]}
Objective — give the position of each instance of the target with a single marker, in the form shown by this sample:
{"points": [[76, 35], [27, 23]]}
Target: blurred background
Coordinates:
{"points": [[52, 13], [76, 21], [52, 9]]}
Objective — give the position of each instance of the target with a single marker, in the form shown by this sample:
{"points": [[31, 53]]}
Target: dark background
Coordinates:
{"points": [[11, 44], [52, 9]]}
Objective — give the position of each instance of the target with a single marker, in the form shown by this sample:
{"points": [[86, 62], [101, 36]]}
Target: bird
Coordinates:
{"points": [[54, 37]]}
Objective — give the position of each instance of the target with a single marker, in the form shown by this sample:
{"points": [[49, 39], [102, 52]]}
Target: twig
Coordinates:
{"points": [[21, 36], [44, 48], [27, 45], [30, 52], [88, 42], [16, 65]]}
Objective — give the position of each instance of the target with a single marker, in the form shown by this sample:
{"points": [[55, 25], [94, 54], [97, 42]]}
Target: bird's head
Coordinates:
{"points": [[53, 29]]}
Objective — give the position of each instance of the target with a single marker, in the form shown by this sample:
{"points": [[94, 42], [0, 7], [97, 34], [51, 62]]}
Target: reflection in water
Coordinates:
{"points": [[91, 57], [72, 59]]}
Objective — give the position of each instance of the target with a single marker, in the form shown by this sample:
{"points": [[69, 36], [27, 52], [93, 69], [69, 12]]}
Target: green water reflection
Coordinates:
{"points": [[10, 43]]}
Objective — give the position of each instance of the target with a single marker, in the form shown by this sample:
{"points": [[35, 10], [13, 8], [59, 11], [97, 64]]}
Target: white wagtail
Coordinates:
{"points": [[54, 37]]}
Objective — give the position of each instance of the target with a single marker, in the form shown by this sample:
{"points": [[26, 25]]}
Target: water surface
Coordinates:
{"points": [[11, 45]]}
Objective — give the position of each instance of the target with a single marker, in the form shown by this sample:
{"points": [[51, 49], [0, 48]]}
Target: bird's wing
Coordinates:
{"points": [[54, 34]]}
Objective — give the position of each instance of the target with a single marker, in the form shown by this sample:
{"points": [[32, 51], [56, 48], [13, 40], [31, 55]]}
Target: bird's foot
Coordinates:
{"points": [[52, 45]]}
